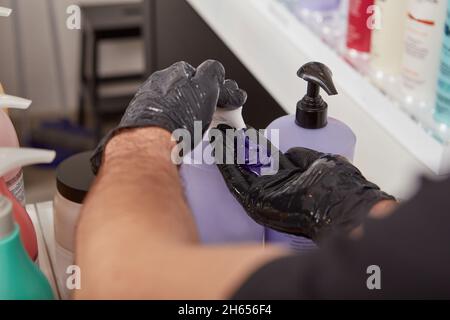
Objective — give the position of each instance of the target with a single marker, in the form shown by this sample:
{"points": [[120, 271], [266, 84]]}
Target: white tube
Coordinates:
{"points": [[5, 12], [7, 101], [11, 158]]}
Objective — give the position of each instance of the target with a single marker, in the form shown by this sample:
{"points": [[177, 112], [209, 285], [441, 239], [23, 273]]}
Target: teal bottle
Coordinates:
{"points": [[442, 114], [20, 278]]}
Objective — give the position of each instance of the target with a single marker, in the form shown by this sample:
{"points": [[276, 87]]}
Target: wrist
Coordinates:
{"points": [[140, 143], [383, 209]]}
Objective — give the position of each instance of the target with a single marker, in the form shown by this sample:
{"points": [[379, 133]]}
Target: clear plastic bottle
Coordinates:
{"points": [[312, 128], [323, 17]]}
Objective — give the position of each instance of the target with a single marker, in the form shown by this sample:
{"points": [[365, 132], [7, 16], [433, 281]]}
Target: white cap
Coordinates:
{"points": [[6, 217], [233, 118], [5, 12], [7, 101], [12, 158]]}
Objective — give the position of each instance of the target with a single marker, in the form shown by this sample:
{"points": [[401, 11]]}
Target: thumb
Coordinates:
{"points": [[210, 71], [303, 158], [231, 97]]}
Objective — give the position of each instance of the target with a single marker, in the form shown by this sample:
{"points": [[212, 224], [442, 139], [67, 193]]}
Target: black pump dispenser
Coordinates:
{"points": [[312, 110]]}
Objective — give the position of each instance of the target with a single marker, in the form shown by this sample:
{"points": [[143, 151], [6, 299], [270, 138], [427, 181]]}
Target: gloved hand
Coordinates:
{"points": [[231, 96], [313, 194], [175, 98]]}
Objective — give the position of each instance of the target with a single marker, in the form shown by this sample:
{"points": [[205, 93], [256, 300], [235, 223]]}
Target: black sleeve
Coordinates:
{"points": [[411, 249]]}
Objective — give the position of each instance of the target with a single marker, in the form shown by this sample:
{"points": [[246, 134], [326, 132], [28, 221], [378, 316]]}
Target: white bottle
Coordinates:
{"points": [[8, 139], [387, 40], [423, 36]]}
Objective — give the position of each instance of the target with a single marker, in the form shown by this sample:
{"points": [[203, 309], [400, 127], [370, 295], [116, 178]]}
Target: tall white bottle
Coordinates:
{"points": [[387, 40], [422, 48]]}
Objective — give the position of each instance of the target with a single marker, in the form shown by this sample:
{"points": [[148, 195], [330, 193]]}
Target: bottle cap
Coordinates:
{"points": [[6, 218], [12, 158], [7, 101], [74, 177], [312, 110], [233, 118], [5, 12]]}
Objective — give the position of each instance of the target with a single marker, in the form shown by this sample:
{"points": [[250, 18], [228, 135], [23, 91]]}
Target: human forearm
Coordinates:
{"points": [[131, 211], [133, 185], [137, 238]]}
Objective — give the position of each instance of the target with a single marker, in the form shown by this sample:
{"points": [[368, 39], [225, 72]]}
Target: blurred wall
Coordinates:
{"points": [[26, 44]]}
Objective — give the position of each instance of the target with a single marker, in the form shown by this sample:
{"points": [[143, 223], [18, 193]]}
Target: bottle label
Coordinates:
{"points": [[425, 20], [17, 187], [359, 34]]}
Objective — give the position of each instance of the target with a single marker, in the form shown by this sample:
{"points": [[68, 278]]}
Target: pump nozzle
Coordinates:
{"points": [[11, 158], [312, 110], [7, 101], [318, 75], [5, 12]]}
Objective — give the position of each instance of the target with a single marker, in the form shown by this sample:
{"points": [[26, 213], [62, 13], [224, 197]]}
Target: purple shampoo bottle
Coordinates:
{"points": [[312, 128], [315, 5], [218, 215]]}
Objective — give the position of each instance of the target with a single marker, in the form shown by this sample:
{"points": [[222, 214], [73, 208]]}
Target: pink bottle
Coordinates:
{"points": [[8, 139], [311, 128], [11, 176], [11, 158]]}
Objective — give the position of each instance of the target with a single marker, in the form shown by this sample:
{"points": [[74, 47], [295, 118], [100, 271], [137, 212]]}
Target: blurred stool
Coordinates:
{"points": [[105, 22]]}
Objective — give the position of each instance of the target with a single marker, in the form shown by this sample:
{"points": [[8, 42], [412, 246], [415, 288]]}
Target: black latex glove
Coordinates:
{"points": [[313, 194], [231, 96], [175, 98]]}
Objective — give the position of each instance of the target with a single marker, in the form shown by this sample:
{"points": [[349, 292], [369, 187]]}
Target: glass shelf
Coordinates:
{"points": [[332, 32], [273, 43]]}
